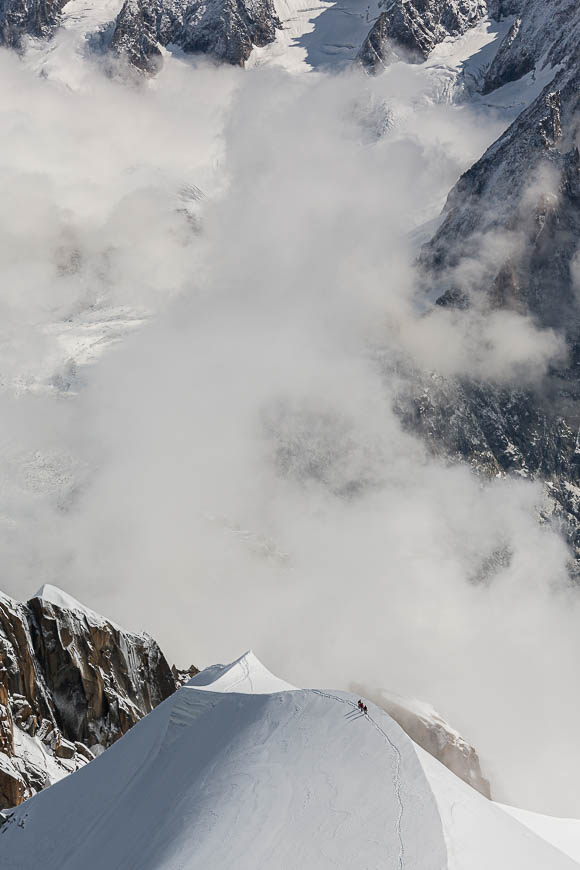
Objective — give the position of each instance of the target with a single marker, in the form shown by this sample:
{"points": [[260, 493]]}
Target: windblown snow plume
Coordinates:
{"points": [[209, 310]]}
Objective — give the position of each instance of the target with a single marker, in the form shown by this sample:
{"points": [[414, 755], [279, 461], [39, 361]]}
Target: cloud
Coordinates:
{"points": [[232, 472]]}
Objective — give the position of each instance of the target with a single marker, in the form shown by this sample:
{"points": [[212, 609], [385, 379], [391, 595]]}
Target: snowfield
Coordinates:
{"points": [[240, 770]]}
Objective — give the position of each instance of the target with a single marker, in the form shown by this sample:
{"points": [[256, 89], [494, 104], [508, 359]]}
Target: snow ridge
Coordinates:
{"points": [[258, 780], [397, 766], [246, 675]]}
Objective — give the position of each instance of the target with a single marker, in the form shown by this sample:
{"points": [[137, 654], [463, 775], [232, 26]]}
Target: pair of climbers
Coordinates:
{"points": [[362, 707]]}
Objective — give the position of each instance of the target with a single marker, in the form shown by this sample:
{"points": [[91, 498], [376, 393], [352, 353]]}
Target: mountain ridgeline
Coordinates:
{"points": [[72, 683]]}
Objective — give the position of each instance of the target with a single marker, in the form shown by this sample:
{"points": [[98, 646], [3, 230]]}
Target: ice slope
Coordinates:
{"points": [[479, 834], [224, 779], [215, 778], [562, 833], [320, 36]]}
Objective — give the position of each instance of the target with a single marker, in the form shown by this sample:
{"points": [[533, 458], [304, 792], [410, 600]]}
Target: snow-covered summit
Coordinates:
{"points": [[246, 675], [59, 598]]}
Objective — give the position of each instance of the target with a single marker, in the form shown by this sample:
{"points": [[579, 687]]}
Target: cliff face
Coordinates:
{"points": [[526, 187], [410, 29], [71, 684], [501, 431], [19, 18], [226, 30], [541, 35], [521, 203]]}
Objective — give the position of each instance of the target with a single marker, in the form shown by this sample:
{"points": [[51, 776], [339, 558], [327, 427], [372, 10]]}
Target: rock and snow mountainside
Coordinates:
{"points": [[410, 29], [71, 683], [19, 18], [227, 30], [509, 239], [501, 431], [427, 728], [525, 190], [224, 29], [238, 769], [231, 30]]}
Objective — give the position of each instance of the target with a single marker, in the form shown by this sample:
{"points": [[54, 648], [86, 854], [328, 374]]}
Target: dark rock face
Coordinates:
{"points": [[526, 187], [223, 29], [135, 36], [19, 18], [541, 34], [509, 65], [502, 430], [377, 51], [410, 29], [501, 8], [71, 683], [102, 680], [524, 191]]}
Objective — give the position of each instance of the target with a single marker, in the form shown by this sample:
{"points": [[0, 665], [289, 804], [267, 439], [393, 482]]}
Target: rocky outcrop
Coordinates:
{"points": [[542, 36], [71, 684], [20, 18], [226, 30], [501, 431], [183, 675], [410, 29], [136, 38], [423, 724]]}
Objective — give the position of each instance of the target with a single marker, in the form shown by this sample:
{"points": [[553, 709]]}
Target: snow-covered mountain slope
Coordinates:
{"points": [[410, 29], [292, 778], [71, 683], [479, 834], [562, 833], [71, 679], [508, 239], [426, 727], [327, 36], [541, 35], [20, 18], [526, 185]]}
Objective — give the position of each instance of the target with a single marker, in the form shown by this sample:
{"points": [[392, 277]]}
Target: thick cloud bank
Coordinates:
{"points": [[208, 301]]}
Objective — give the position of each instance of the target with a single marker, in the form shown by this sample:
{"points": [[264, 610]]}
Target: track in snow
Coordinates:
{"points": [[397, 765]]}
